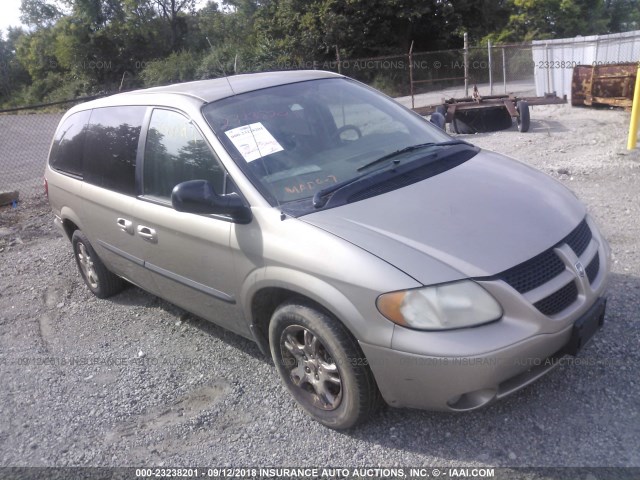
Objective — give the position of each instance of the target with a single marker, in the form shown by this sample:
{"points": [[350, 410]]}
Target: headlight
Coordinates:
{"points": [[441, 307]]}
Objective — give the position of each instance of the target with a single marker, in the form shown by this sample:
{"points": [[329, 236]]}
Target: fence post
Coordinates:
{"points": [[504, 71], [549, 89], [490, 69], [466, 64]]}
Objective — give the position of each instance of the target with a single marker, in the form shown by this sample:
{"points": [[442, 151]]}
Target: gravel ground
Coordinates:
{"points": [[135, 381]]}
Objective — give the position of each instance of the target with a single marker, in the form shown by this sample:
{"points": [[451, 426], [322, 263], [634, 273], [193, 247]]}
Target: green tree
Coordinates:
{"points": [[624, 15], [540, 19], [177, 67], [312, 29], [480, 19], [39, 13], [12, 74], [170, 11]]}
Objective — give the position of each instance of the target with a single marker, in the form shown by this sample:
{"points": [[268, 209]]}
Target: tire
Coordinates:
{"points": [[100, 281], [441, 109], [438, 120], [524, 118], [322, 366]]}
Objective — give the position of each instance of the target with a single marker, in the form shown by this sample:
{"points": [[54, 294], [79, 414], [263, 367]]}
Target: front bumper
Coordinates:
{"points": [[465, 369], [470, 382]]}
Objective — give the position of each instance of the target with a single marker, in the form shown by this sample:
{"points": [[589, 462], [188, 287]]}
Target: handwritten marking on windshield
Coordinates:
{"points": [[310, 185]]}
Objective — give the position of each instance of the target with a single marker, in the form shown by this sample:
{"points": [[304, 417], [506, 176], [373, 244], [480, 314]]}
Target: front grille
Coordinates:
{"points": [[593, 268], [579, 238], [534, 272], [558, 301], [546, 266]]}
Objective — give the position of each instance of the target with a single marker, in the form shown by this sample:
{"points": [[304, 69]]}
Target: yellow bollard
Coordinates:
{"points": [[635, 113]]}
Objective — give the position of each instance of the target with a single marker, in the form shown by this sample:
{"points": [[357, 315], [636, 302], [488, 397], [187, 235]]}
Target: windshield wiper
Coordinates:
{"points": [[409, 149], [319, 199]]}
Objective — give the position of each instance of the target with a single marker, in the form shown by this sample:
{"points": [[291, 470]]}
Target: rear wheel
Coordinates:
{"points": [[322, 366], [100, 281]]}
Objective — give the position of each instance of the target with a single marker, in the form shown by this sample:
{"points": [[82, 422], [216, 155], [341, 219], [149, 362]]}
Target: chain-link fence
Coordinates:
{"points": [[25, 138], [431, 76], [24, 144]]}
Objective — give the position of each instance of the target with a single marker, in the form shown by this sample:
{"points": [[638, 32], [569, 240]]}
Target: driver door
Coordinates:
{"points": [[188, 255]]}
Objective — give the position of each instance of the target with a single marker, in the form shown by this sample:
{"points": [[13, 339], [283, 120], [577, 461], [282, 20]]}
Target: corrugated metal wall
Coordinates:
{"points": [[554, 59]]}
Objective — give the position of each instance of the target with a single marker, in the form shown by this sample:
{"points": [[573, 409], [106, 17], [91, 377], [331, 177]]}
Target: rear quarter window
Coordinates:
{"points": [[68, 144], [111, 146]]}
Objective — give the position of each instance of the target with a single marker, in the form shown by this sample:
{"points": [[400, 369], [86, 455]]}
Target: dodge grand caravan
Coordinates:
{"points": [[370, 254]]}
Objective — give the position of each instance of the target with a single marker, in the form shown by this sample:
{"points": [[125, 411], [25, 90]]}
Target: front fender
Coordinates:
{"points": [[363, 320]]}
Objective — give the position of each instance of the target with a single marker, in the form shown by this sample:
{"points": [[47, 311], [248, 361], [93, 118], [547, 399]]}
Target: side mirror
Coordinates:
{"points": [[198, 196]]}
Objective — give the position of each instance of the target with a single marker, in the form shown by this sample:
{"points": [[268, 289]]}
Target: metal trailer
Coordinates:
{"points": [[604, 85], [478, 113]]}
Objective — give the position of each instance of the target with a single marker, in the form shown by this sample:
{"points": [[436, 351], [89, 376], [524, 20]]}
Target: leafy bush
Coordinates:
{"points": [[177, 67], [217, 63], [387, 84]]}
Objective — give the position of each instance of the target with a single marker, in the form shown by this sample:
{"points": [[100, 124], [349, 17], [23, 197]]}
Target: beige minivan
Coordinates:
{"points": [[374, 257]]}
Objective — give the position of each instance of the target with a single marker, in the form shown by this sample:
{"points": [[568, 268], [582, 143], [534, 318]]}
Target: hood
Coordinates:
{"points": [[478, 219]]}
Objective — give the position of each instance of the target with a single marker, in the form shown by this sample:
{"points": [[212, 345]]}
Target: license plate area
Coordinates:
{"points": [[586, 326]]}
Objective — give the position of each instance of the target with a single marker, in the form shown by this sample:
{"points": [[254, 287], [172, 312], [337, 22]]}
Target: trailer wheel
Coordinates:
{"points": [[524, 119], [438, 120]]}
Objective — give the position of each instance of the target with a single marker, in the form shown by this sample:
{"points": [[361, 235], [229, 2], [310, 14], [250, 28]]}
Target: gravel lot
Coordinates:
{"points": [[135, 381]]}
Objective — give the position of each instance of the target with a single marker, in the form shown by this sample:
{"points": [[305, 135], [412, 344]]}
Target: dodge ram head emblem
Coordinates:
{"points": [[580, 269]]}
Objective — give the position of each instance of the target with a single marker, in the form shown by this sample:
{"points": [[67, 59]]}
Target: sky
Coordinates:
{"points": [[10, 14]]}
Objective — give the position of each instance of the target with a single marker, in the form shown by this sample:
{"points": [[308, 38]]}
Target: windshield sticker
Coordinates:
{"points": [[253, 141]]}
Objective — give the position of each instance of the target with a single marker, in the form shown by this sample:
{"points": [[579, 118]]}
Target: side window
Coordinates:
{"points": [[176, 152], [111, 147], [66, 151]]}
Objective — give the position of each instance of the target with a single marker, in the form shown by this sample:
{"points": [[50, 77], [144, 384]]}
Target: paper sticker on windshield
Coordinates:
{"points": [[253, 141]]}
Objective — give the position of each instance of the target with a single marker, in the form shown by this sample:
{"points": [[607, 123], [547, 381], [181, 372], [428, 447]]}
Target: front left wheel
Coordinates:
{"points": [[322, 365]]}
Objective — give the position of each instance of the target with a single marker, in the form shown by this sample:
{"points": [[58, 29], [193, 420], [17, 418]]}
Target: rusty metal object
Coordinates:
{"points": [[611, 84], [485, 114]]}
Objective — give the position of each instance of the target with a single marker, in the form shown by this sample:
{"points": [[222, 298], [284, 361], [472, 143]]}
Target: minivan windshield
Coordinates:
{"points": [[297, 141]]}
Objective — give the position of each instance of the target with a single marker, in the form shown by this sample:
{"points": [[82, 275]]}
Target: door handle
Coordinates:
{"points": [[125, 225], [147, 233]]}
